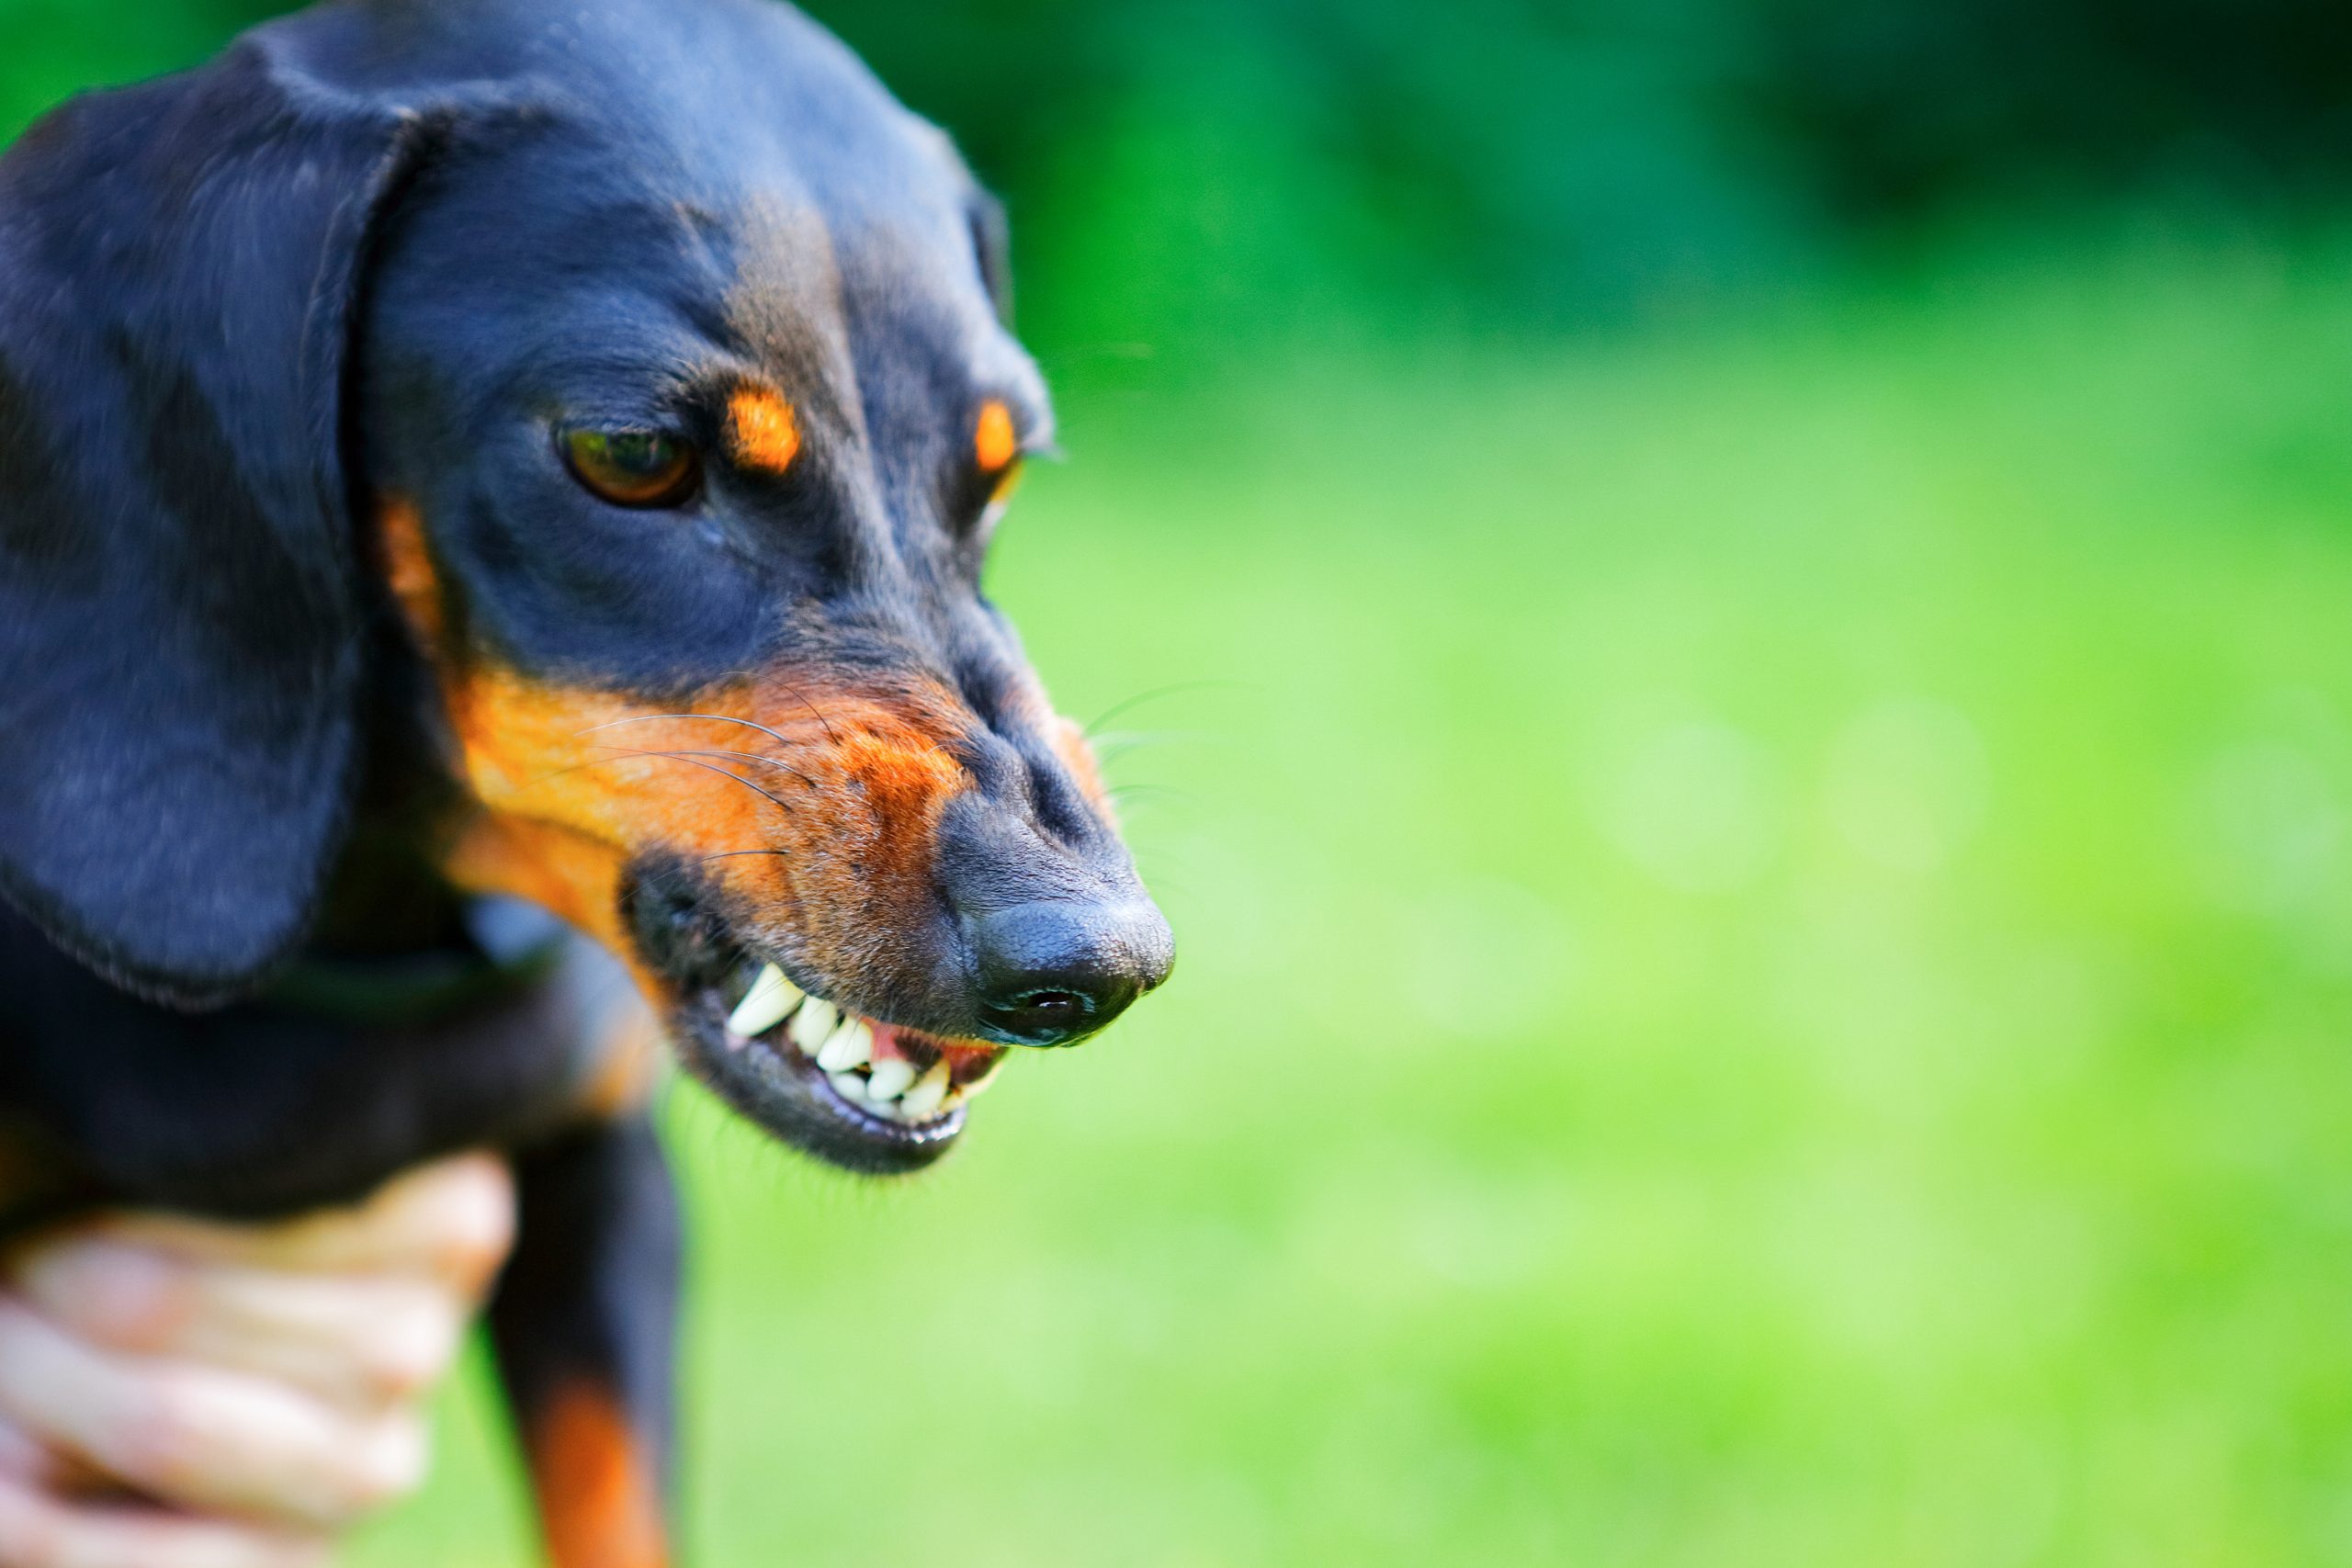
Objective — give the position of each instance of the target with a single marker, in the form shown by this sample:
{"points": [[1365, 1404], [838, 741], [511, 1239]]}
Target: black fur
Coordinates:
{"points": [[375, 249], [590, 1301], [179, 654]]}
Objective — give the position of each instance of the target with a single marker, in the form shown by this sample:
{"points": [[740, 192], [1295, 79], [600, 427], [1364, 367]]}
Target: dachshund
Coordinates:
{"points": [[493, 495]]}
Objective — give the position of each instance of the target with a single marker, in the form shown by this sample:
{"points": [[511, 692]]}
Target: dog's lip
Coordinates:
{"points": [[780, 1087]]}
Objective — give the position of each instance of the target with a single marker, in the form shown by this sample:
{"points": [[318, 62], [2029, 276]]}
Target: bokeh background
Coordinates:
{"points": [[1723, 625]]}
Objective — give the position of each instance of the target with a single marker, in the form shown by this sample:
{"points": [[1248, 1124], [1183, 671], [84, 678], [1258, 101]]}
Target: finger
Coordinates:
{"points": [[23, 1458], [453, 1221], [204, 1439], [40, 1531], [359, 1342], [28, 1461]]}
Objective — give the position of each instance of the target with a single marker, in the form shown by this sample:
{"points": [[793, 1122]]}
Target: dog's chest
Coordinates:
{"points": [[273, 1106]]}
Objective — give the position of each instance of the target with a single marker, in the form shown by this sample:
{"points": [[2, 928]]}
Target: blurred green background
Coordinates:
{"points": [[1723, 625]]}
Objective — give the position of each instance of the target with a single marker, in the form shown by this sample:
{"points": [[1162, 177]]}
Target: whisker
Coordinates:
{"points": [[738, 854], [578, 767], [1150, 792], [816, 713], [712, 718], [1114, 744], [715, 768], [1116, 709], [778, 763], [626, 754], [1163, 882], [1132, 797]]}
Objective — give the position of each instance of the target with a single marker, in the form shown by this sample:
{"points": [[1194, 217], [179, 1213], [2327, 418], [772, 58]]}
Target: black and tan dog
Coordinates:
{"points": [[465, 458]]}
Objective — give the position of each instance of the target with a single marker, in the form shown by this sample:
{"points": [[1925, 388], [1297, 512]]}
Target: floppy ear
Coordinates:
{"points": [[179, 646]]}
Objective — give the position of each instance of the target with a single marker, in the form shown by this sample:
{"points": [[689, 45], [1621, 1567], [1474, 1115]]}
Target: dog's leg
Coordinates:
{"points": [[583, 1323]]}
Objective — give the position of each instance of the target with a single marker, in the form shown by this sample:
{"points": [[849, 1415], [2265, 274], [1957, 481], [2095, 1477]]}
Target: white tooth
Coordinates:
{"points": [[813, 1024], [852, 1045], [771, 997], [922, 1102], [849, 1086], [890, 1078]]}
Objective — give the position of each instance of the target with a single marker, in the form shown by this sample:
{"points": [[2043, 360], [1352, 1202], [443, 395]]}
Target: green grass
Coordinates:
{"points": [[1767, 951]]}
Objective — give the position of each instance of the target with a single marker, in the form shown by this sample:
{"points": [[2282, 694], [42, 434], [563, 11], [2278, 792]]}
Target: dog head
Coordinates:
{"points": [[653, 361]]}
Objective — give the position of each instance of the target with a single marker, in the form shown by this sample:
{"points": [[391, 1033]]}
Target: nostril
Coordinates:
{"points": [[1053, 972], [1064, 1005], [1047, 1016]]}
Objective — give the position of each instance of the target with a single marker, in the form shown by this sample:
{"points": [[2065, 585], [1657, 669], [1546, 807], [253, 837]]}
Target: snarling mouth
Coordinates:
{"points": [[915, 1080], [854, 1090]]}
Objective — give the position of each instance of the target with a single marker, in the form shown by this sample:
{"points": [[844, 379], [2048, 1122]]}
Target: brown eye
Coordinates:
{"points": [[632, 468]]}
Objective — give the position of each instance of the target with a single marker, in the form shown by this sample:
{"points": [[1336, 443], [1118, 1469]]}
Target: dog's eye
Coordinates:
{"points": [[632, 468]]}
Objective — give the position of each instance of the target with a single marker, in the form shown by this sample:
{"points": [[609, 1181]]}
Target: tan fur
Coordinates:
{"points": [[408, 569], [762, 431], [813, 807], [995, 442], [598, 1498]]}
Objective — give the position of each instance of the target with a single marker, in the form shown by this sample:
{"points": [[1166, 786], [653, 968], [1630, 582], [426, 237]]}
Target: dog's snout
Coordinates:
{"points": [[1058, 933], [1054, 971]]}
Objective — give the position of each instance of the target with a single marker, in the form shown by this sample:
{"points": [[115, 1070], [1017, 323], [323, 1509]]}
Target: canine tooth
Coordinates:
{"points": [[849, 1086], [852, 1045], [930, 1092], [980, 1086], [892, 1078], [771, 997], [813, 1024]]}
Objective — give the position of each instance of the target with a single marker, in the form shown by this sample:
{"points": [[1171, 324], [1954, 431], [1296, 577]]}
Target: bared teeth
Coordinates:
{"points": [[771, 999], [922, 1102], [899, 1086], [850, 1046], [814, 1024], [892, 1078]]}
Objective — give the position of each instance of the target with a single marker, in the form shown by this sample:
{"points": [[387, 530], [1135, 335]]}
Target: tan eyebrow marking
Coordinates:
{"points": [[995, 442], [761, 432]]}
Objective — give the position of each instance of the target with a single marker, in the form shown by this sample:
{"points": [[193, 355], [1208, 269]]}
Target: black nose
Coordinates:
{"points": [[1053, 972]]}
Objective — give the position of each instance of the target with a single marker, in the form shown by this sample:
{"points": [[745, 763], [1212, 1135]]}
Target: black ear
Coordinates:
{"points": [[179, 647]]}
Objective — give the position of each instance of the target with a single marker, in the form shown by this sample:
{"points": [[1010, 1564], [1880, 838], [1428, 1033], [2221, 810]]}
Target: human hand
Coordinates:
{"points": [[183, 1393]]}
